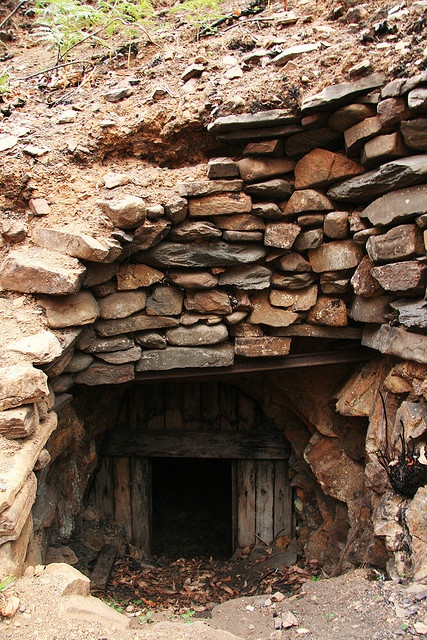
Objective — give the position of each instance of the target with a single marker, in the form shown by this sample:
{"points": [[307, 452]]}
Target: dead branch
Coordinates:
{"points": [[6, 20]]}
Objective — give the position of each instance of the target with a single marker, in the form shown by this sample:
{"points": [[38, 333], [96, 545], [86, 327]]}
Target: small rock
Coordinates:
{"points": [[289, 620], [67, 117], [233, 72], [39, 206], [9, 606], [113, 180], [115, 95], [420, 628], [193, 71], [34, 151], [7, 141]]}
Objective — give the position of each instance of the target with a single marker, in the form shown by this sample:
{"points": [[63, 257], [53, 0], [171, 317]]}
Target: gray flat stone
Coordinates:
{"points": [[247, 277], [219, 204], [276, 189], [194, 230], [186, 357], [126, 213], [202, 255], [370, 310], [397, 206], [264, 134], [122, 304], [263, 119], [190, 279], [400, 243], [301, 143], [340, 94], [121, 357], [137, 322], [199, 334], [396, 341], [411, 314], [165, 301], [414, 133], [393, 175], [99, 373], [70, 311]]}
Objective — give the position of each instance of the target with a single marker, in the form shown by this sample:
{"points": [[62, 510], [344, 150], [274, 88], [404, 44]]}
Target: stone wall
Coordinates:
{"points": [[315, 227]]}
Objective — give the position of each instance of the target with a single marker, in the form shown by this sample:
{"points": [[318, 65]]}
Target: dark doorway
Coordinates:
{"points": [[192, 508]]}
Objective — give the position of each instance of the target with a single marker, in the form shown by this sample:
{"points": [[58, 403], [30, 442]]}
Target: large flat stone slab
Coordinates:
{"points": [[301, 143], [13, 519], [397, 174], [122, 304], [186, 357], [76, 244], [256, 169], [134, 276], [396, 341], [102, 373], [35, 270], [247, 277], [208, 187], [262, 347], [219, 204], [400, 243], [199, 334], [264, 313], [401, 276], [137, 322], [338, 95], [262, 119], [401, 205], [215, 254]]}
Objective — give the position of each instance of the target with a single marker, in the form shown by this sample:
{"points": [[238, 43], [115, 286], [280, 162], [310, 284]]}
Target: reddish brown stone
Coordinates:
{"points": [[364, 284], [383, 149], [264, 313], [350, 115], [221, 204], [262, 347], [281, 234], [307, 200], [392, 110], [401, 276], [403, 241], [240, 222], [255, 169], [208, 302], [320, 168], [331, 312]]}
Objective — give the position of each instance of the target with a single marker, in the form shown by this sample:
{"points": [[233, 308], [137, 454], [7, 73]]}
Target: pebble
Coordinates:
{"points": [[7, 141], [34, 151], [115, 95], [233, 72], [67, 117]]}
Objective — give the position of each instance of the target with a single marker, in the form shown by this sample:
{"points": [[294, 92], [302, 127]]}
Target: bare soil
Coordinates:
{"points": [[159, 138]]}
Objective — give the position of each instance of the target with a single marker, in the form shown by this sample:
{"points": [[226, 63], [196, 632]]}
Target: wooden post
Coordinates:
{"points": [[141, 502], [246, 477], [282, 500], [264, 499], [122, 505]]}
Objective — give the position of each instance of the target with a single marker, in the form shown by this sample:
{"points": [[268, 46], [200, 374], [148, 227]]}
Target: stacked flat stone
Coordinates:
{"points": [[318, 229]]}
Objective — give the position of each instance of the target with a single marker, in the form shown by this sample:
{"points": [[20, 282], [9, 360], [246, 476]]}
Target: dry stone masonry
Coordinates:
{"points": [[317, 229]]}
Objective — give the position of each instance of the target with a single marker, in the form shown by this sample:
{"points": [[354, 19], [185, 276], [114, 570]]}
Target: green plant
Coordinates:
{"points": [[4, 83], [198, 13], [146, 618], [315, 578], [64, 24], [188, 615], [330, 616], [7, 582]]}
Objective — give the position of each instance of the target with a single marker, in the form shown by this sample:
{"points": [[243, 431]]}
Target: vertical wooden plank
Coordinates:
{"points": [[122, 504], [282, 499], [191, 406], [173, 406], [234, 506], [137, 411], [210, 406], [141, 503], [155, 407], [102, 492], [264, 499], [227, 407], [245, 503]]}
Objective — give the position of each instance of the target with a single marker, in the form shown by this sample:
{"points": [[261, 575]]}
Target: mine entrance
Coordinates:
{"points": [[192, 508], [194, 462]]}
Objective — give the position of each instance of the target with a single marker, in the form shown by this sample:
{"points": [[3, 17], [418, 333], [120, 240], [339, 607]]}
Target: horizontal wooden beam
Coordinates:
{"points": [[258, 365], [252, 445]]}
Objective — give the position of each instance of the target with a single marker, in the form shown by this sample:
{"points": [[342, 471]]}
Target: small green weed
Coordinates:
{"points": [[330, 616], [188, 615], [315, 578], [198, 13], [4, 85], [7, 582], [404, 626]]}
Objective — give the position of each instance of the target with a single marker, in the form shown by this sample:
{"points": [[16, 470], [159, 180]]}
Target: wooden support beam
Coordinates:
{"points": [[104, 564], [259, 445]]}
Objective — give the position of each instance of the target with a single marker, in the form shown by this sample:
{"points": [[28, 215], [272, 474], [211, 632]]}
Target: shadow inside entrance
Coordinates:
{"points": [[192, 508]]}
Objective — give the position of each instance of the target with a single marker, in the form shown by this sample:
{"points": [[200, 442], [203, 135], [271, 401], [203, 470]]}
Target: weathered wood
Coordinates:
{"points": [[246, 478], [173, 406], [122, 505], [155, 407], [283, 523], [228, 407], [141, 503], [264, 500], [210, 406], [102, 492], [102, 570], [245, 411], [266, 445], [191, 405]]}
